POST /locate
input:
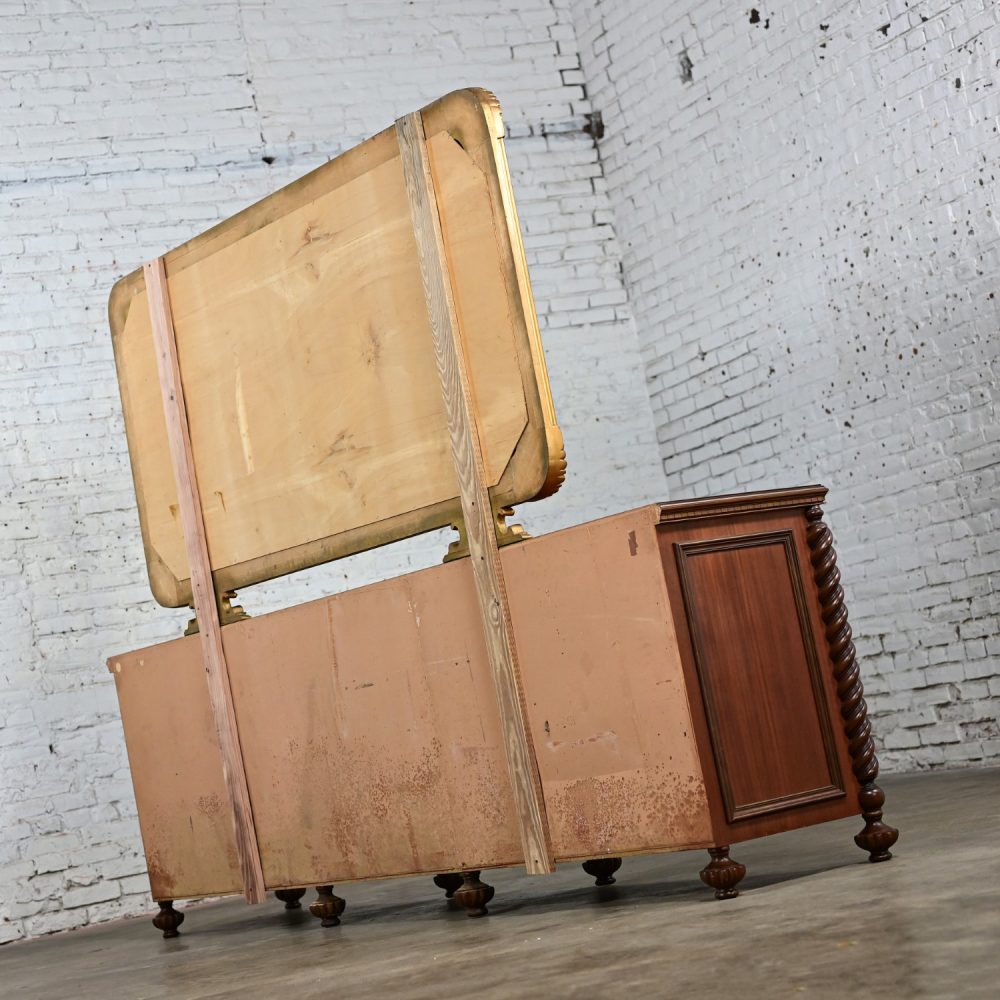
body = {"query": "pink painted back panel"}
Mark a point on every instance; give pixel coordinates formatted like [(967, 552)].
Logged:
[(606, 696), (369, 726), (180, 791), (372, 744)]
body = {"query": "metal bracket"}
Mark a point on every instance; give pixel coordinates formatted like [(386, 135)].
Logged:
[(506, 534), (228, 613)]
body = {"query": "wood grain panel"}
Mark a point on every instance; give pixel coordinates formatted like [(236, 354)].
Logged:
[(758, 673), (304, 348)]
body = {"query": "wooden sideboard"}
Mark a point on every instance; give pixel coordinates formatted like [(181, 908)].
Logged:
[(689, 678)]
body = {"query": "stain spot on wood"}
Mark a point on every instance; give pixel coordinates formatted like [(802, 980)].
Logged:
[(210, 805), (342, 444), (312, 234), (161, 882), (372, 349)]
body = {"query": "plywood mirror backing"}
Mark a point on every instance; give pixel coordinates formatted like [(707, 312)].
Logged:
[(315, 409)]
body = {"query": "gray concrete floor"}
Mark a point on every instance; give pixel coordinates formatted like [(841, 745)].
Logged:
[(815, 919)]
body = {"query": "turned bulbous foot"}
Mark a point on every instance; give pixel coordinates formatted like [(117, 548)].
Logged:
[(168, 919), (602, 869), (473, 894), (290, 897), (877, 837), (327, 906), (450, 882), (722, 873)]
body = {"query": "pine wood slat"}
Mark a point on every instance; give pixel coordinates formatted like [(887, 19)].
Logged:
[(476, 508), (205, 605)]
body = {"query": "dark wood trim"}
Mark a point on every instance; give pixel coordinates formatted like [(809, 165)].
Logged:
[(876, 837), (835, 789), (741, 503), (782, 802)]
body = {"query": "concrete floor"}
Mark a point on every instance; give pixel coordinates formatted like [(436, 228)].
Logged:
[(815, 919)]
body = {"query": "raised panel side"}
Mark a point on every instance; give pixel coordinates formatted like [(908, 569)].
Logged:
[(759, 673)]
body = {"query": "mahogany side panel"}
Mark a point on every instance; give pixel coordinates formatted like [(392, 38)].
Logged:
[(759, 673), (708, 525)]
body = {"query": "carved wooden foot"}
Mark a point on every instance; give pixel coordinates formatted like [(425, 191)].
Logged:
[(327, 907), (450, 882), (290, 897), (473, 895), (603, 869), (877, 837), (168, 919), (722, 873)]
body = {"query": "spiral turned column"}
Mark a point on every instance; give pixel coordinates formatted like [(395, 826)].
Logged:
[(877, 837)]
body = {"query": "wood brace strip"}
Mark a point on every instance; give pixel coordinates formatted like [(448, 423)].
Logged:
[(477, 510), (202, 586)]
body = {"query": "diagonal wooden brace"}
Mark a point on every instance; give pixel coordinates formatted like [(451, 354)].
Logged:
[(467, 452), (205, 604)]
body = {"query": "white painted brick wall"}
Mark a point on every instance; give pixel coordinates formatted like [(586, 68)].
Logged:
[(125, 128), (848, 151), (811, 250)]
